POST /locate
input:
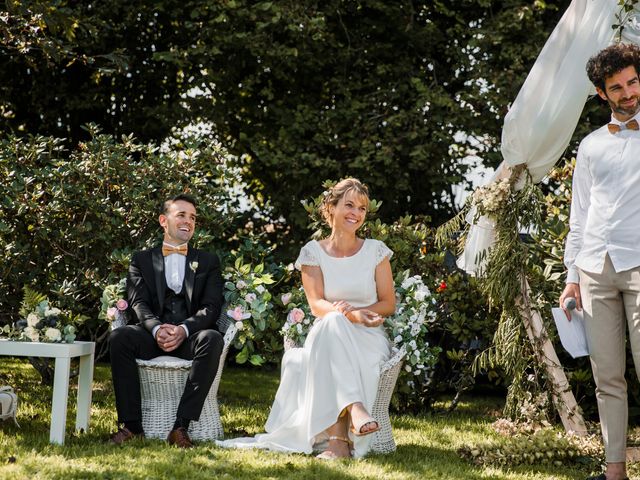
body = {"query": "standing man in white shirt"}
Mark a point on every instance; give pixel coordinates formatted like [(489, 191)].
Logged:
[(602, 251), (175, 292)]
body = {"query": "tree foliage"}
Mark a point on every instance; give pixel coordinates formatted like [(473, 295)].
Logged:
[(395, 93)]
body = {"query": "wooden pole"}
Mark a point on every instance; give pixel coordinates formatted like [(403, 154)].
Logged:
[(563, 398)]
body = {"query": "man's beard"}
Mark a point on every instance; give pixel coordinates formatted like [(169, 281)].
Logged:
[(618, 108)]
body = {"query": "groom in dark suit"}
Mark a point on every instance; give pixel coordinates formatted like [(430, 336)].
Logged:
[(175, 292)]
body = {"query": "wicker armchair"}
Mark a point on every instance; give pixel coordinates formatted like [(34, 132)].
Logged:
[(382, 439), (162, 382)]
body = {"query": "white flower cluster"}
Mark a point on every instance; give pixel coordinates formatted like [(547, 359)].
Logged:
[(490, 198), (43, 324), (416, 309)]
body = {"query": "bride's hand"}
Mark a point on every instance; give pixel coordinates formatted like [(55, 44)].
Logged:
[(343, 307), (366, 318)]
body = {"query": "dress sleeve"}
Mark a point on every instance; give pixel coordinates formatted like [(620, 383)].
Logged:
[(382, 251), (307, 256)]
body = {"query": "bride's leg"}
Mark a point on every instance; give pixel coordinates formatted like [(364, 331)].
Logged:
[(338, 446), (361, 420)]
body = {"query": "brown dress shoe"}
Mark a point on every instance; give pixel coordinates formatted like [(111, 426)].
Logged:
[(124, 435), (180, 438)]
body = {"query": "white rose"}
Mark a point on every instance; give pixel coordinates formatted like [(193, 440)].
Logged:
[(240, 284), (407, 368), (52, 311), (239, 325), (260, 289), (398, 339), (32, 320), (31, 333), (53, 334)]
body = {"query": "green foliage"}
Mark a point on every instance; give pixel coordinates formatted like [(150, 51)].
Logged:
[(542, 447), (70, 218), (300, 91), (250, 305)]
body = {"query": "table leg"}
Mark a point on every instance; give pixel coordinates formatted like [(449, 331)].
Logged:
[(60, 397), (85, 388)]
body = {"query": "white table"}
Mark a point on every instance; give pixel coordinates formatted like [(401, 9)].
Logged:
[(63, 353)]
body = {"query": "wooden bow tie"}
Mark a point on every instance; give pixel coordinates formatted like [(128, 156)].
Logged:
[(630, 125), (168, 250)]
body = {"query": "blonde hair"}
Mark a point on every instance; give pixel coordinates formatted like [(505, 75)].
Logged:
[(337, 192)]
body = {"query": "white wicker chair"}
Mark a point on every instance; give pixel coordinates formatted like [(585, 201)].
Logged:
[(382, 439), (162, 381)]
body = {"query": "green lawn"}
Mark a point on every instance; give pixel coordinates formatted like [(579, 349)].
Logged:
[(426, 444)]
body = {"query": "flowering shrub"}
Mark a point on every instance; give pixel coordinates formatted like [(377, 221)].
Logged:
[(408, 329), (113, 304), (40, 322), (299, 317), (250, 305)]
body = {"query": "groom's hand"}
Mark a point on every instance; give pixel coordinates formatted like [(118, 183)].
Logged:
[(170, 337)]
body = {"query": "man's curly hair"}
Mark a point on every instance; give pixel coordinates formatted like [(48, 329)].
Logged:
[(610, 61)]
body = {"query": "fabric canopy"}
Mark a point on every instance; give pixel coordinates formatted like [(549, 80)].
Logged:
[(539, 125)]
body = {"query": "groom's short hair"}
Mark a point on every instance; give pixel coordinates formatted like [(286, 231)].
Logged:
[(164, 209), (610, 61)]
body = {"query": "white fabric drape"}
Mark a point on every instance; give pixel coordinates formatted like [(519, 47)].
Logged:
[(544, 115)]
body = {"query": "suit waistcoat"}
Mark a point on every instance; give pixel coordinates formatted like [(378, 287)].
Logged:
[(174, 306)]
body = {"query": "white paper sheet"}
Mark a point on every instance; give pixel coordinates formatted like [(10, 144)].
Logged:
[(572, 334)]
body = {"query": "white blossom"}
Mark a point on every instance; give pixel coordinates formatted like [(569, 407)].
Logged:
[(53, 334)]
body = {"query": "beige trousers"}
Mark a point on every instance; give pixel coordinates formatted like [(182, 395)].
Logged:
[(608, 298)]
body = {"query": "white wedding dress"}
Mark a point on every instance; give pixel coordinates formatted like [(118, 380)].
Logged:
[(339, 364)]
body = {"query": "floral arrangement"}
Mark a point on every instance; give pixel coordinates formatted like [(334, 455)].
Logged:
[(299, 317), (250, 305), (490, 198), (40, 322), (113, 304), (415, 312)]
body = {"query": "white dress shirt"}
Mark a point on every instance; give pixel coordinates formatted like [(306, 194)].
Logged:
[(605, 207), (174, 267)]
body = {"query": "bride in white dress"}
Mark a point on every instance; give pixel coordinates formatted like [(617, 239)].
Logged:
[(328, 387)]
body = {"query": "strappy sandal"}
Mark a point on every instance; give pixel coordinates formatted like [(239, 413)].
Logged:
[(329, 455), (357, 429)]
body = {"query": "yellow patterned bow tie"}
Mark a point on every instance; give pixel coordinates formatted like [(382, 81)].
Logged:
[(630, 125), (168, 250)]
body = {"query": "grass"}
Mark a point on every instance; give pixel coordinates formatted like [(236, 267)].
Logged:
[(427, 444)]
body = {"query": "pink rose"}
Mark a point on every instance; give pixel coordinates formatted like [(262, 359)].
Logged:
[(111, 313), (250, 297), (122, 305), (286, 298), (295, 316), (238, 314)]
